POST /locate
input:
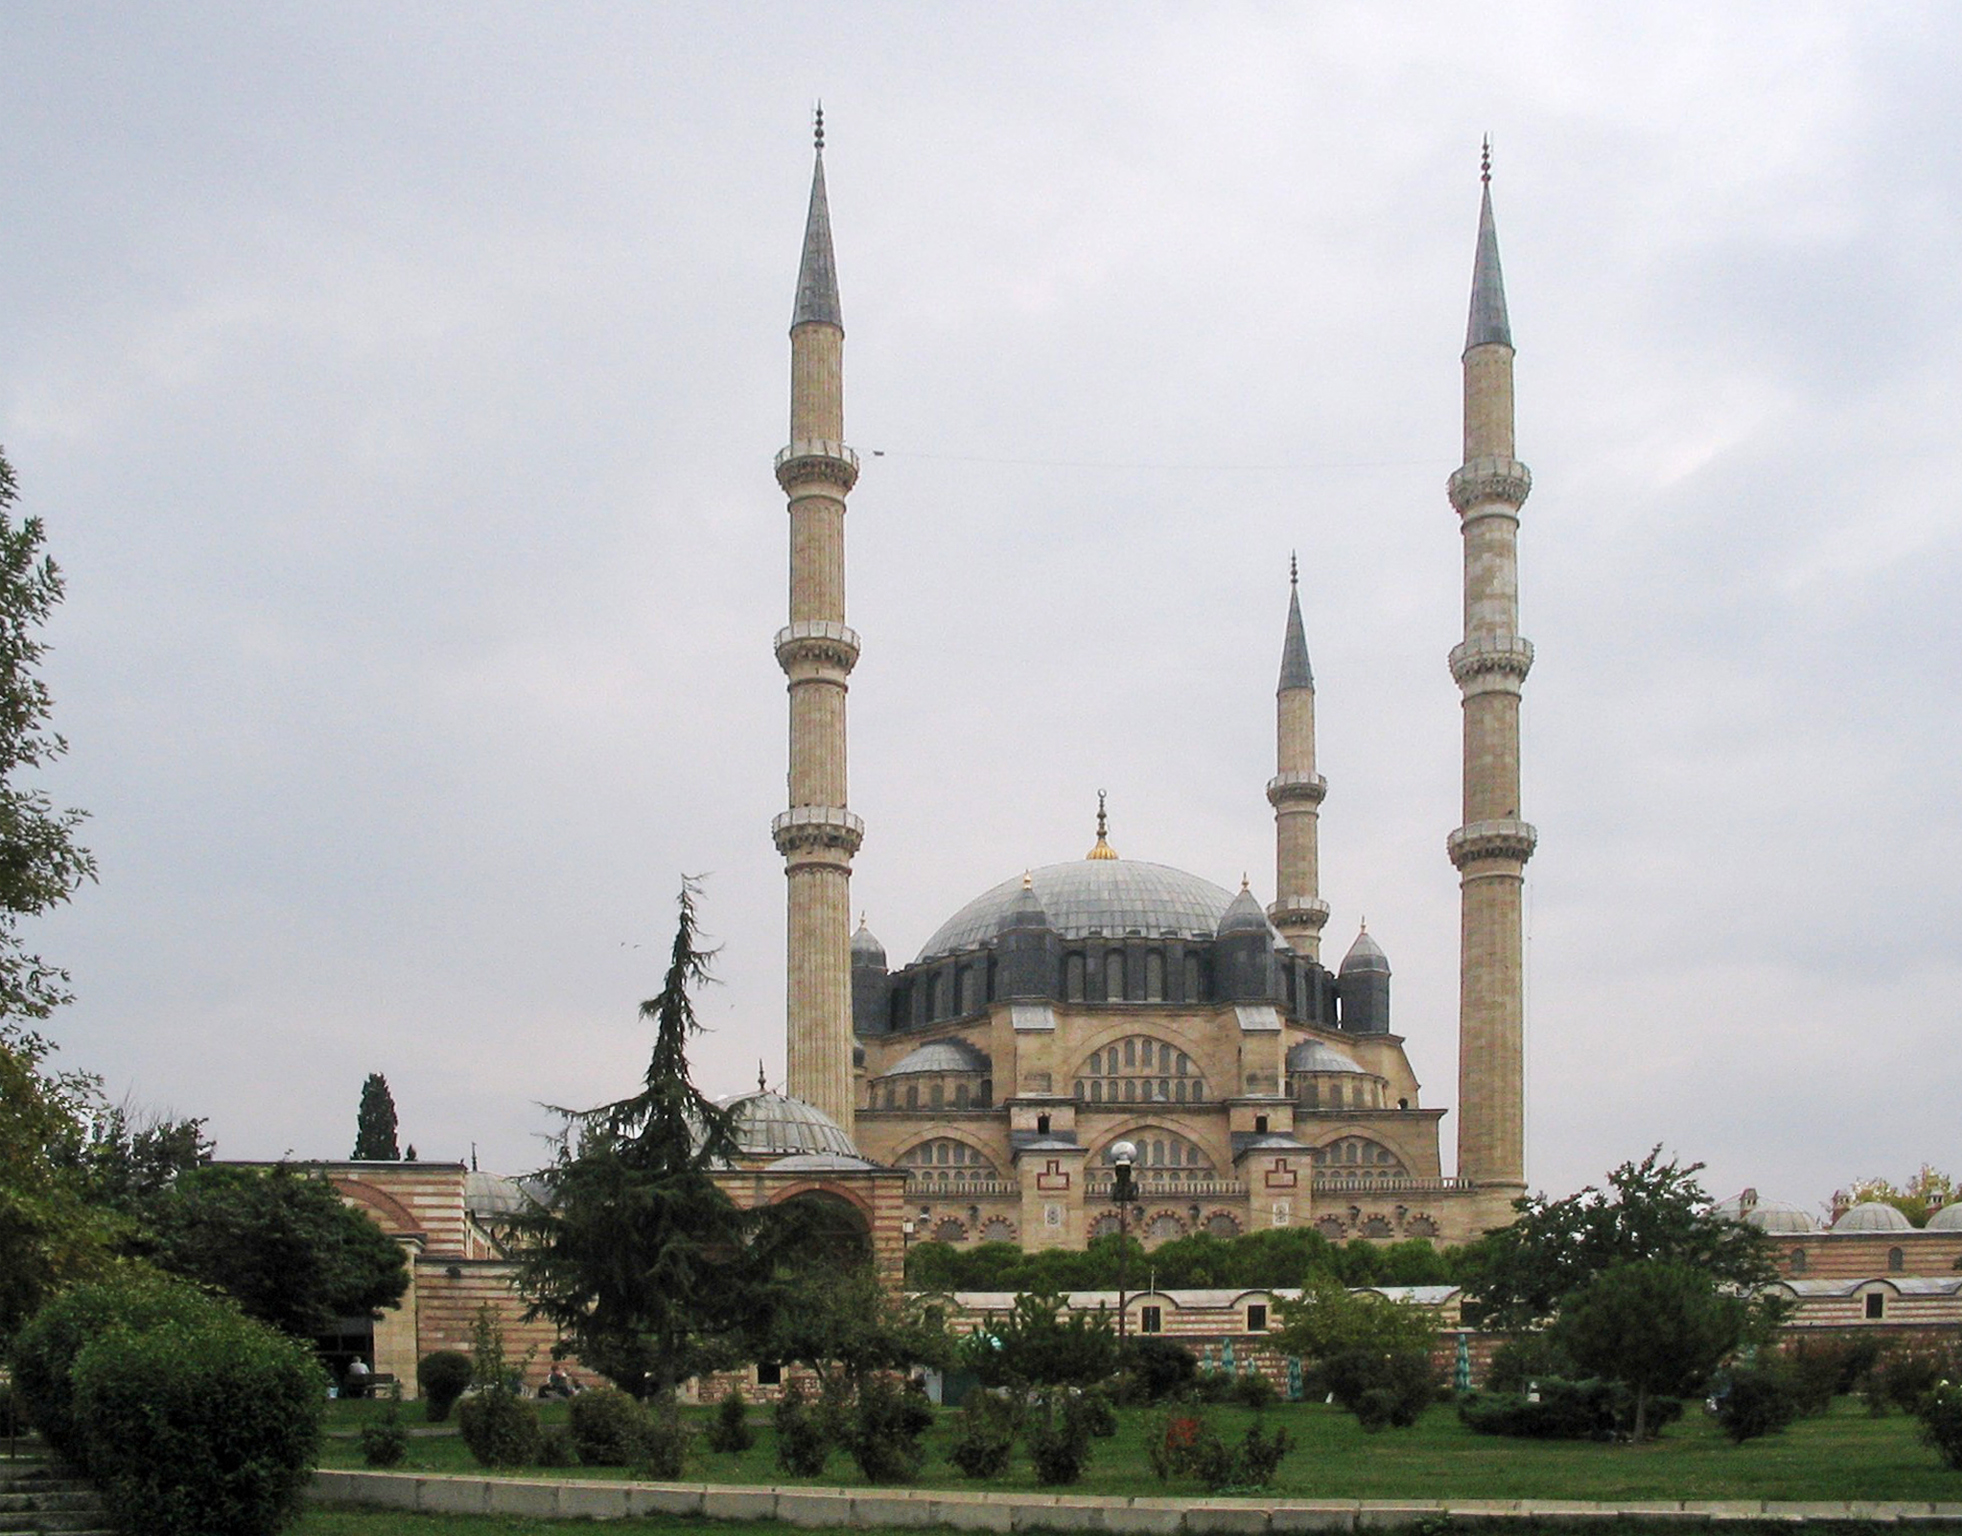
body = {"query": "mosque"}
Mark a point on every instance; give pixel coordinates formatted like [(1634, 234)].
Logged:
[(1076, 1006)]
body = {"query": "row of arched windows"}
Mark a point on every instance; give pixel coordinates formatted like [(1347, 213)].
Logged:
[(935, 1094), (948, 1158), (1140, 1070), (1360, 1155)]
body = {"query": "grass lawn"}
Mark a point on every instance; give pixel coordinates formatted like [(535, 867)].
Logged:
[(1843, 1456)]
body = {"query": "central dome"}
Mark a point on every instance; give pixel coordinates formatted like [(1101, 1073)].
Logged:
[(1110, 896)]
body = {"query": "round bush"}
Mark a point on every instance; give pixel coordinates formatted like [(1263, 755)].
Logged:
[(443, 1377), (1759, 1402), (665, 1441), (607, 1427), (385, 1442), (46, 1349), (729, 1430), (501, 1430), (203, 1429)]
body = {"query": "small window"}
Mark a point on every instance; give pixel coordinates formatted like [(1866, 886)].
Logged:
[(1042, 1125), (1876, 1306), (1256, 1317), (1896, 1261), (1260, 1125), (1152, 1319), (1798, 1261), (769, 1374)]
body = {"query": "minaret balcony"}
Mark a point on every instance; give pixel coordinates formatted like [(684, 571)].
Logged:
[(807, 829), (1296, 789), (817, 643), (1504, 840), (1298, 912), (1485, 662), (1483, 481), (817, 458)]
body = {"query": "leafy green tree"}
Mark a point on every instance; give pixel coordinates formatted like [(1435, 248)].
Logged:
[(127, 1159), (1657, 1326), (374, 1131), (1517, 1276), (1044, 1342), (285, 1246), (638, 1258), (844, 1320), (1374, 1354)]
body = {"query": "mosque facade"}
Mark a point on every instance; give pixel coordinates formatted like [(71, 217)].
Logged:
[(1079, 1005)]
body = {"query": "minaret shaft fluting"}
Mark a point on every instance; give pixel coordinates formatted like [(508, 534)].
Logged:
[(1491, 848), (1296, 792), (817, 835)]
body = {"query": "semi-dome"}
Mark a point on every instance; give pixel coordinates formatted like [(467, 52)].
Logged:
[(943, 1056), (1243, 915), (775, 1125), (1313, 1056), (1947, 1219), (1873, 1216), (1110, 896), (866, 949)]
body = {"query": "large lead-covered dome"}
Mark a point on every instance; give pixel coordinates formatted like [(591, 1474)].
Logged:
[(1106, 895)]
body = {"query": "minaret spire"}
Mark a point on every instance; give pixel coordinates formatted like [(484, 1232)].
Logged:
[(1490, 665), (1296, 791), (818, 835)]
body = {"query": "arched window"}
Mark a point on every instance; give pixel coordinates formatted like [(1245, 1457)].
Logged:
[(1191, 979), (1113, 975), (1896, 1260), (1798, 1261), (945, 1161), (937, 1095), (1358, 1157), (1155, 976), (1162, 1151), (1073, 978)]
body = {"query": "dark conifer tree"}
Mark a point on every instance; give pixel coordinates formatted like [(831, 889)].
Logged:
[(374, 1131)]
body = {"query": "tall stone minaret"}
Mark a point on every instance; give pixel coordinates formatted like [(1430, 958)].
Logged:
[(817, 836), (1491, 849), (1296, 792)]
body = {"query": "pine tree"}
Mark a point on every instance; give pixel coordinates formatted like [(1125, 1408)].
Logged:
[(639, 1259), (374, 1135)]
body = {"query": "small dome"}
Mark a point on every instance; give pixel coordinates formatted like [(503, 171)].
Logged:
[(1313, 1056), (776, 1125), (867, 950), (943, 1056), (1242, 915), (1027, 911), (1365, 955), (1774, 1216), (821, 1162), (1113, 897), (491, 1194), (1873, 1216), (1947, 1219)]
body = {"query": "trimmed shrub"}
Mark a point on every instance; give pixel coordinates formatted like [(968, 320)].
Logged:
[(1187, 1445), (1382, 1391), (1566, 1410), (1212, 1387), (1255, 1391), (202, 1429), (555, 1447), (500, 1430), (1258, 1456), (886, 1426), (1758, 1402), (1822, 1369), (729, 1430), (48, 1345), (442, 1376), (1524, 1360), (1057, 1432), (1903, 1377), (384, 1442), (984, 1434), (1161, 1367), (1940, 1413), (1174, 1449), (1099, 1413), (803, 1447), (665, 1441), (607, 1427)]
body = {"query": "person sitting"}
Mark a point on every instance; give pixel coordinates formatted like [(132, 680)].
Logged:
[(358, 1375), (557, 1384)]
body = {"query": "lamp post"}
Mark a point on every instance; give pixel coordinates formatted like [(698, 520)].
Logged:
[(1124, 1195)]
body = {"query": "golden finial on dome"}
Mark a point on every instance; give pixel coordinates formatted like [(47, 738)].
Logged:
[(1103, 850), (1028, 879)]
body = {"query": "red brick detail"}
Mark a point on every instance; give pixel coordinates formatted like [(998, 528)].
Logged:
[(1053, 1177)]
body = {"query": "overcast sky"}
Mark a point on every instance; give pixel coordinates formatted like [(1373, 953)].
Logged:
[(399, 385)]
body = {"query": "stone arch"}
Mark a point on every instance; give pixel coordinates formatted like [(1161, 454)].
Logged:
[(390, 1214), (1223, 1224), (1198, 1136), (983, 1153), (948, 1229), (1162, 1226)]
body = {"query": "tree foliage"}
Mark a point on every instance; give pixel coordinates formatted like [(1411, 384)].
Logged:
[(842, 1319), (41, 865), (1373, 1354), (1657, 1326), (1275, 1257), (1917, 1199), (284, 1245), (640, 1259), (1517, 1276), (1043, 1342), (374, 1127)]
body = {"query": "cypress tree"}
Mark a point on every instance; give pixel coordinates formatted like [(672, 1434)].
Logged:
[(374, 1134)]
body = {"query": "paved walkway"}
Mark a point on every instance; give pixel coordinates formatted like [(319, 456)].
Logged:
[(864, 1509)]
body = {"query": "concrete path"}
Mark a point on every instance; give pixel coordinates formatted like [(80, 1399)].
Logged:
[(863, 1509)]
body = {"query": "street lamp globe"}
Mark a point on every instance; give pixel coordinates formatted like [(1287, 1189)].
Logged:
[(1123, 1153)]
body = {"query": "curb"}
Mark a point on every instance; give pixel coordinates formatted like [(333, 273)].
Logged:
[(862, 1508)]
